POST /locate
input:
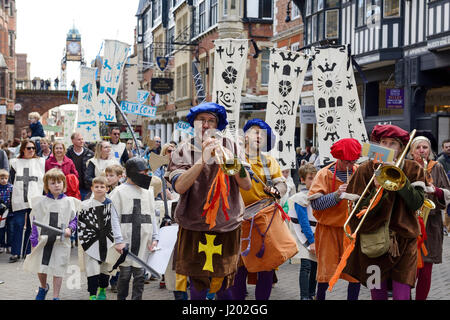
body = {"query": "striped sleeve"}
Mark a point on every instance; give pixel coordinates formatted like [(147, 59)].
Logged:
[(324, 202)]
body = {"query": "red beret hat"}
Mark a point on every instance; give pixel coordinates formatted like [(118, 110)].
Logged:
[(346, 149), (389, 131)]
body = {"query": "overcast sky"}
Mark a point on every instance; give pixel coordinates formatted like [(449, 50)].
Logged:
[(42, 27)]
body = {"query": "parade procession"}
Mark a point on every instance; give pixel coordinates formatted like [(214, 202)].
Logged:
[(226, 150)]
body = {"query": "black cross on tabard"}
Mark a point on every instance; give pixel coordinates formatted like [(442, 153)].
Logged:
[(48, 248), (136, 219), (298, 71), (26, 180)]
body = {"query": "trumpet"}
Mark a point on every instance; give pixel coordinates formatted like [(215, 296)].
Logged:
[(390, 177), (428, 205), (230, 166)]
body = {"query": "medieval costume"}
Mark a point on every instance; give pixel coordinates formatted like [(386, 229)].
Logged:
[(119, 153), (331, 211), (95, 167), (26, 177), (207, 249), (134, 224), (433, 237), (394, 215), (51, 254), (303, 226), (263, 243), (96, 242)]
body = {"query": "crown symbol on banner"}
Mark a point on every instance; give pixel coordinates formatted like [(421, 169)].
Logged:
[(327, 67)]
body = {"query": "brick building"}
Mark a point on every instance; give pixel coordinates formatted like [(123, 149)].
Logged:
[(184, 31), (7, 66)]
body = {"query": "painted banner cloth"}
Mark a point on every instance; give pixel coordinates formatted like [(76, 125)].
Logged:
[(287, 71), (88, 119), (114, 58), (230, 66), (336, 100)]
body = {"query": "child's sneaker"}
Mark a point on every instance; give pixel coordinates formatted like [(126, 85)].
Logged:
[(42, 293), (93, 297), (101, 294)]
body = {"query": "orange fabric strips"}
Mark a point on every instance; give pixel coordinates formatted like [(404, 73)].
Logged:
[(219, 191)]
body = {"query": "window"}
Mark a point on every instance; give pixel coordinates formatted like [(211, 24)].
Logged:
[(170, 39), (203, 67), (225, 7), (332, 21), (314, 28), (11, 85), (309, 30), (295, 11), (265, 9), (265, 65), (320, 27), (11, 43), (319, 5), (179, 85), (332, 3), (308, 7), (2, 84), (391, 8), (185, 80), (361, 13), (202, 17), (213, 13)]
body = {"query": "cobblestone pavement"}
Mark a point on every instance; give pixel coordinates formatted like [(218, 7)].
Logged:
[(21, 285)]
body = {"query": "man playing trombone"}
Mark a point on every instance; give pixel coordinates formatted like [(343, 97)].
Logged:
[(210, 209), (385, 248)]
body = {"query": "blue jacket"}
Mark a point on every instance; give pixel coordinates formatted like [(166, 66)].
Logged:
[(37, 130)]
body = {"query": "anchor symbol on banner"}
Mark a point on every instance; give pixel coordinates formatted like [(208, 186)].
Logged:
[(231, 52)]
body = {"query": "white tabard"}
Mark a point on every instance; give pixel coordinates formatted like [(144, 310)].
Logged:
[(101, 165), (28, 182), (47, 258), (117, 151), (136, 209)]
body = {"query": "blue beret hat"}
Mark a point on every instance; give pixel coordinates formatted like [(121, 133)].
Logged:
[(263, 125), (209, 107)]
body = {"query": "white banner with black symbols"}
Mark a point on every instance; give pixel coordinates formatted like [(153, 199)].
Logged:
[(230, 66), (337, 105), (286, 75)]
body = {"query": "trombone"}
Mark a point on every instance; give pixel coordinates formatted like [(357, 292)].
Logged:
[(390, 177)]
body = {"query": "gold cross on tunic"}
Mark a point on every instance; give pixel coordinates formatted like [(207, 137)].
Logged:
[(209, 249)]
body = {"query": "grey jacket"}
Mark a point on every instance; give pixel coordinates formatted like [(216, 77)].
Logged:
[(4, 163)]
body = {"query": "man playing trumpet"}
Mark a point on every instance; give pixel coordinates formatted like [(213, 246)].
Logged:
[(210, 208), (386, 245)]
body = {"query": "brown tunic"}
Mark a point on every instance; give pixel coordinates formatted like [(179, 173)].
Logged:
[(191, 257), (402, 204), (434, 227), (188, 213)]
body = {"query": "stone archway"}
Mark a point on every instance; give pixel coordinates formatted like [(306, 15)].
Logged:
[(38, 101)]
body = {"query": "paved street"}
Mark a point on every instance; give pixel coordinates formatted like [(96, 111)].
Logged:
[(20, 285)]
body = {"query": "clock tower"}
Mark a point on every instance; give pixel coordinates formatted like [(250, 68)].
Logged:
[(72, 52)]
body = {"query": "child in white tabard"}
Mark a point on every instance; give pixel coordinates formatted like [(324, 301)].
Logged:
[(51, 254)]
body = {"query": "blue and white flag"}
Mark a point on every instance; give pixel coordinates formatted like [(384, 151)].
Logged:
[(184, 127), (114, 59), (88, 118)]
